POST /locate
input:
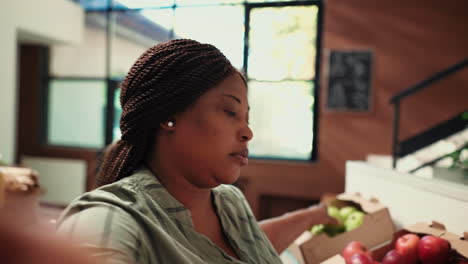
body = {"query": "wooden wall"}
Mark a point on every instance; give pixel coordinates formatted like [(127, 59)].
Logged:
[(411, 40)]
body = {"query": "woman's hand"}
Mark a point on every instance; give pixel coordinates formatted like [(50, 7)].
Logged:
[(318, 214), (283, 230), (19, 179)]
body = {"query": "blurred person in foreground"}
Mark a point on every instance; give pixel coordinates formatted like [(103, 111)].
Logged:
[(25, 238), (19, 245), (165, 193)]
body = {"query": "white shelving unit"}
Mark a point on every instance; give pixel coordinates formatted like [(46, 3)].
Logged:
[(410, 198)]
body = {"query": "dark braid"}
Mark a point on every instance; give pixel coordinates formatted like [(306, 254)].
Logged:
[(165, 80)]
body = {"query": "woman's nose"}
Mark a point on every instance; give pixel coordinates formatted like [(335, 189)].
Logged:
[(246, 134)]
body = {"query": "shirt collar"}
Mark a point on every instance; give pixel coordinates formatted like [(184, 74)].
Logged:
[(153, 187), (174, 209)]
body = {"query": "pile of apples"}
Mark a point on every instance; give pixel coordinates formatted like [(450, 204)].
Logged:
[(348, 218), (409, 249)]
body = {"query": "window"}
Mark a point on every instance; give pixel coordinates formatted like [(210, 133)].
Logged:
[(275, 43), (281, 74), (73, 102)]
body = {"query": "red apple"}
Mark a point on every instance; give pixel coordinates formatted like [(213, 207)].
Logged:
[(407, 245), (433, 250), (360, 258), (394, 257), (352, 248)]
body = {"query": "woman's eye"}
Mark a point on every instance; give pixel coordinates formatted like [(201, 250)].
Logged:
[(230, 113)]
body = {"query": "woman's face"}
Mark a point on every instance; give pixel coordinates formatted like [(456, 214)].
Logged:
[(210, 138)]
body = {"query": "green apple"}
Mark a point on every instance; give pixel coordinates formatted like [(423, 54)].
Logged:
[(347, 211), (329, 229), (333, 230), (354, 220), (334, 212), (317, 229)]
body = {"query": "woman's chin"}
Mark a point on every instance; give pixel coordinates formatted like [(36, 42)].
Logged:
[(229, 177)]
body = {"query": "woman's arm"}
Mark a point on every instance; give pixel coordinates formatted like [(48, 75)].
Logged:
[(105, 233), (283, 230)]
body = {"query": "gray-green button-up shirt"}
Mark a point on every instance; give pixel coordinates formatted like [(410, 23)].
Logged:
[(136, 220)]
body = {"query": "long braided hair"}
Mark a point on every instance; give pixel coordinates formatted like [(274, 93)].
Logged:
[(165, 80)]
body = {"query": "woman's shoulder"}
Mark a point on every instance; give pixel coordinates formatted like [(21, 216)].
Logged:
[(123, 196), (124, 190), (229, 190), (231, 196)]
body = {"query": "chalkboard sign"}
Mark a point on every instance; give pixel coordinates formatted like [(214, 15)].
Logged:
[(349, 80)]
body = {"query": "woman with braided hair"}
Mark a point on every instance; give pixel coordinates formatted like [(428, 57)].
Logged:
[(165, 193)]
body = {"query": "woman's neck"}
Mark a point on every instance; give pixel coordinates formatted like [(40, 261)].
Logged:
[(194, 198)]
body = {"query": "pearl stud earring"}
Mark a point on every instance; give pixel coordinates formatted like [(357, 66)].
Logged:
[(170, 124)]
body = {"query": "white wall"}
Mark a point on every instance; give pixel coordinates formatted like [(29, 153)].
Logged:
[(89, 57), (64, 183), (44, 21), (7, 91)]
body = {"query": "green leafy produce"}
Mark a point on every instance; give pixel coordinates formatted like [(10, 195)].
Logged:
[(354, 220), (318, 229), (348, 217), (329, 229), (347, 211), (334, 212)]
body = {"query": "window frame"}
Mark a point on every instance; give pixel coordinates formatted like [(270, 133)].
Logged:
[(316, 79)]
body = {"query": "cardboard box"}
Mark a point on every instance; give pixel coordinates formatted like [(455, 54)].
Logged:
[(377, 228), (457, 243)]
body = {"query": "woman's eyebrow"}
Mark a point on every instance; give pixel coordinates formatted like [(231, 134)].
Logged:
[(234, 98)]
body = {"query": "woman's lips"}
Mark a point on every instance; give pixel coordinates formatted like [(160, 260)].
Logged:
[(242, 159), (241, 156)]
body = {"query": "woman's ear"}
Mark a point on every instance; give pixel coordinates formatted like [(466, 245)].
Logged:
[(168, 125)]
